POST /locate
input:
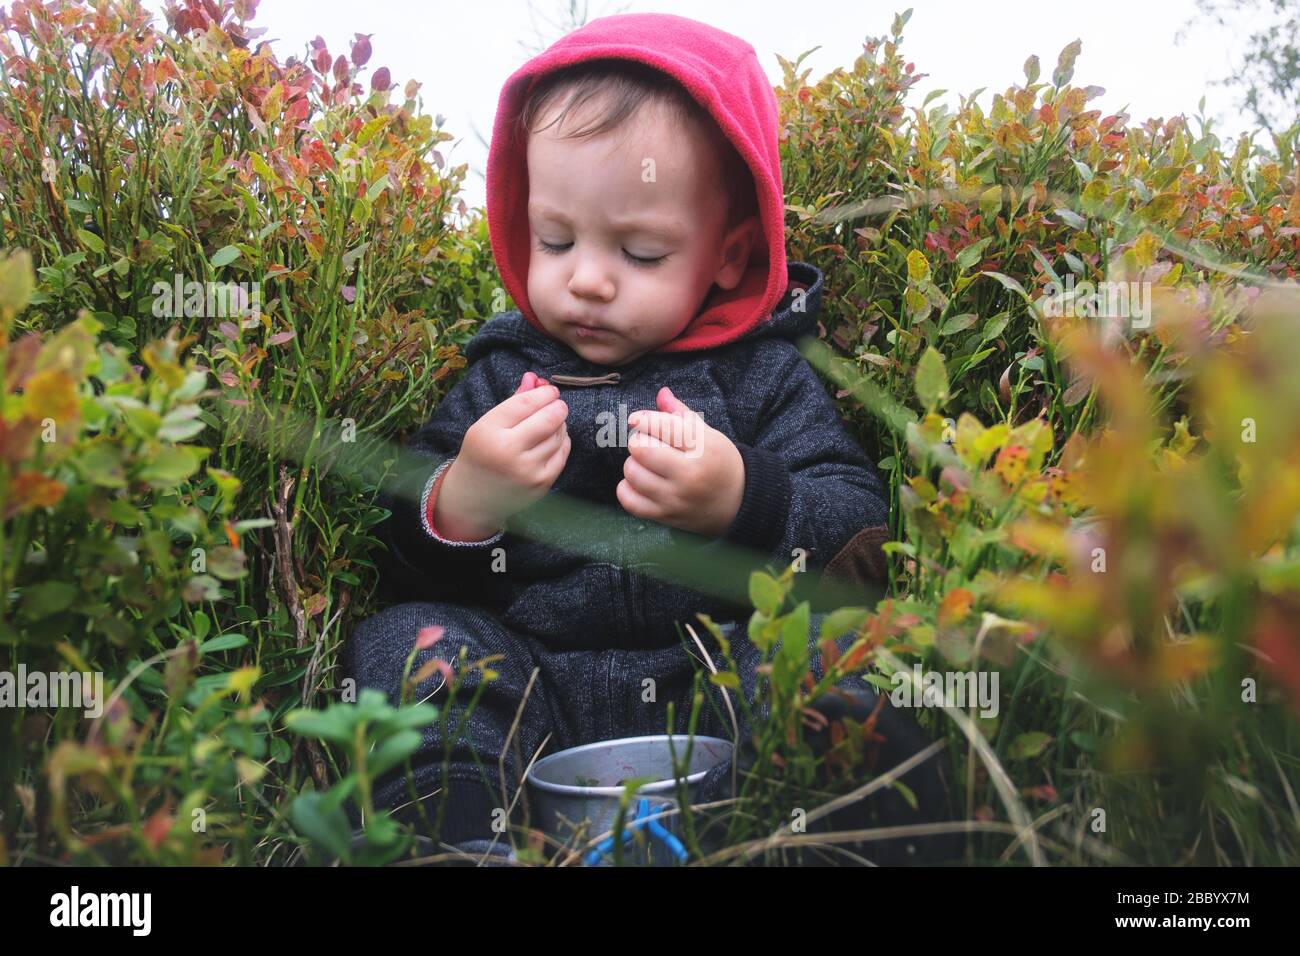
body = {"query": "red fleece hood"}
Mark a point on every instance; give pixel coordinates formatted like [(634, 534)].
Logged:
[(723, 75)]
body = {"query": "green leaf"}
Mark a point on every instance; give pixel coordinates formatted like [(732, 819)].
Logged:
[(323, 823), (46, 598), (251, 524), (334, 725), (1031, 69), (101, 464), (958, 323), (225, 642), (1008, 283), (995, 326), (90, 240), (170, 466), (1071, 218), (368, 131), (180, 423), (991, 202), (226, 563), (1028, 745), (726, 679), (794, 639), (765, 593), (1085, 741), (262, 169), (224, 256), (931, 379), (972, 253), (393, 751), (842, 621)]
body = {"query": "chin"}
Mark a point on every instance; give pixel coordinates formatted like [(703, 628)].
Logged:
[(599, 354)]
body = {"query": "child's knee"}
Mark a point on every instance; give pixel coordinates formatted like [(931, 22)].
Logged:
[(380, 646)]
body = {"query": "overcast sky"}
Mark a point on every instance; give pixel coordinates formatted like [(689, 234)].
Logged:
[(463, 51)]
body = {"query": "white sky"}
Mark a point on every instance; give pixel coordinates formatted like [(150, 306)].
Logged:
[(463, 51)]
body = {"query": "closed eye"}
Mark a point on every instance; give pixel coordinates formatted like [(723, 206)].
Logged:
[(559, 249)]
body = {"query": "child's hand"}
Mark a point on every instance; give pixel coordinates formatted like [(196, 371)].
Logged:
[(508, 459), (679, 471)]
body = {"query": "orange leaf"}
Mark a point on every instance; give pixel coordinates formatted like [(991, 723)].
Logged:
[(954, 607), (31, 489), (1011, 464)]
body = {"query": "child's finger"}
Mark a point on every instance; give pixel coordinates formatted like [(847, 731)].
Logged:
[(520, 405), (548, 444), (670, 428), (560, 455), (634, 502), (542, 423), (646, 482), (528, 381), (661, 458)]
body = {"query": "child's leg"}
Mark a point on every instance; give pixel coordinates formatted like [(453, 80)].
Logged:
[(617, 692), (475, 801)]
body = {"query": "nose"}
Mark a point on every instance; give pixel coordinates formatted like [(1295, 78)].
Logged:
[(590, 280)]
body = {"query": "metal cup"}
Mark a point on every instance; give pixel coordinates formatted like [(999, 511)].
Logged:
[(585, 783)]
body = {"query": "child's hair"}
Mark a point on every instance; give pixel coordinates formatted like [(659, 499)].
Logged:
[(627, 85)]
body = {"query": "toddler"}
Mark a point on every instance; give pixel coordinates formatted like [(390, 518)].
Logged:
[(636, 213)]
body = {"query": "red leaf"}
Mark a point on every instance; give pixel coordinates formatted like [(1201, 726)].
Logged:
[(281, 337), (429, 636), (361, 50), (382, 81)]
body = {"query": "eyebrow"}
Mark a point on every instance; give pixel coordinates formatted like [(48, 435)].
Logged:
[(659, 228)]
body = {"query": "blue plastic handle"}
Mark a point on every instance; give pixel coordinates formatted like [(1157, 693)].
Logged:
[(641, 819)]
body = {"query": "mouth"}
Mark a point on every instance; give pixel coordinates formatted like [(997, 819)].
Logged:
[(590, 331)]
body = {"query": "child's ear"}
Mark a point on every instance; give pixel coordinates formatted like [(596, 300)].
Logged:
[(736, 246)]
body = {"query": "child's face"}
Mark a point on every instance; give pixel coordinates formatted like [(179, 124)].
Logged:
[(648, 190)]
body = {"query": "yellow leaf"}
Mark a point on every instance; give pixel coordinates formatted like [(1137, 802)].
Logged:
[(1145, 248), (975, 442), (917, 268), (242, 680), (51, 393), (1036, 438), (250, 771), (1186, 659)]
